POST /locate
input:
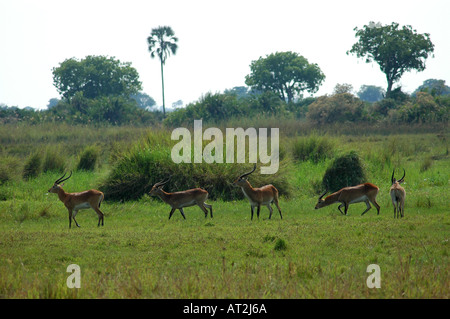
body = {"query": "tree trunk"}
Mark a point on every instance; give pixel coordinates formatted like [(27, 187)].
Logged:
[(162, 81), (389, 88)]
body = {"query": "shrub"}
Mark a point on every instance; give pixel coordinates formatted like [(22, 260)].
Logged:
[(336, 108), (280, 245), (53, 160), (346, 170), (149, 162), (88, 159), (9, 169), (33, 166), (314, 148)]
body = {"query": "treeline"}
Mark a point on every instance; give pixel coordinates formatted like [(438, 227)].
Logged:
[(336, 108), (342, 107), (107, 110)]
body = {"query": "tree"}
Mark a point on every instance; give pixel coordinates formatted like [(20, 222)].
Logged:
[(162, 42), (370, 93), (395, 50), (286, 73), (96, 76), (434, 87)]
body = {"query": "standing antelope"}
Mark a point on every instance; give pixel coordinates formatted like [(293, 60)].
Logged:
[(76, 201), (265, 195), (366, 192), (178, 200), (398, 195)]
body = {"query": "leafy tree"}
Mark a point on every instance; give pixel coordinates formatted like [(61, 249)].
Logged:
[(143, 100), (96, 76), (162, 42), (370, 93), (286, 73), (396, 50), (434, 87)]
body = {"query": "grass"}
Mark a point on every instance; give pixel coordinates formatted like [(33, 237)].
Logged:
[(309, 253)]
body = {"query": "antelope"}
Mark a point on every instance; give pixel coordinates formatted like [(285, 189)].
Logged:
[(178, 200), (366, 193), (265, 195), (76, 201), (398, 195)]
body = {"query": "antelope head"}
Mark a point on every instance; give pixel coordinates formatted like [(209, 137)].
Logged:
[(57, 185), (157, 188), (321, 201), (242, 179), (401, 180)]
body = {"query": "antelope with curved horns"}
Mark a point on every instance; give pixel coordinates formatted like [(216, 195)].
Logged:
[(265, 195), (398, 195), (76, 201), (178, 200), (366, 193)]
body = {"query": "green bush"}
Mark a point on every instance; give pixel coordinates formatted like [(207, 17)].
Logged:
[(149, 162), (53, 160), (346, 170), (33, 166), (88, 159), (314, 148)]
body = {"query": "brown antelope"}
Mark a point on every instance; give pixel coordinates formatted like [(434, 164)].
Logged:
[(366, 193), (398, 195), (265, 195), (178, 200), (76, 201)]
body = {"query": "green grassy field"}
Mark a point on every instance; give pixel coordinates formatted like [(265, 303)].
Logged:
[(139, 253)]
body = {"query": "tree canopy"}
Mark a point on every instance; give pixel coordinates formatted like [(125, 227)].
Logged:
[(396, 50), (96, 76), (286, 73)]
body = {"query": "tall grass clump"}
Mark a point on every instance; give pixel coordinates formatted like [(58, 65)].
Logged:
[(149, 161), (33, 166), (346, 170), (9, 168), (89, 158), (54, 160), (314, 148)]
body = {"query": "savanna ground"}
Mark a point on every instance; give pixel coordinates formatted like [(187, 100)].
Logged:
[(309, 253)]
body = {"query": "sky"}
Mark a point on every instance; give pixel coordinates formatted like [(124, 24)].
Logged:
[(218, 40)]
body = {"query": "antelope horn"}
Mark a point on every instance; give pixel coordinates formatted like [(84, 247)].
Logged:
[(246, 174), (323, 194), (392, 178), (162, 182), (401, 179), (62, 179)]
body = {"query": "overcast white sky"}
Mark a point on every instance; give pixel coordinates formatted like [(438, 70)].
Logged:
[(217, 41)]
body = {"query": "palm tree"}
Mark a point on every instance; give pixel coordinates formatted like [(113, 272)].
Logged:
[(162, 42)]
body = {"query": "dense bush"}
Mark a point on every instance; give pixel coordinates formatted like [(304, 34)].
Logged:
[(346, 170), (343, 107), (54, 160), (33, 166), (149, 162), (314, 148), (88, 159)]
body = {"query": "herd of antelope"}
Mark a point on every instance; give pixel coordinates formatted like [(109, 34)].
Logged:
[(265, 195)]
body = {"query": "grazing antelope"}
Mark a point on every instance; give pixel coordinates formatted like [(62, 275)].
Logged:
[(178, 200), (366, 193), (398, 195), (265, 195), (76, 201)]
